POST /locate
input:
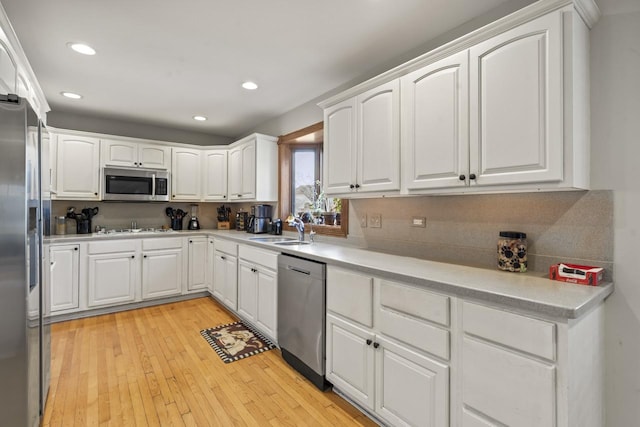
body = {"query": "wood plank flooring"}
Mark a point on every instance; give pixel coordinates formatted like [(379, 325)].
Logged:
[(151, 367)]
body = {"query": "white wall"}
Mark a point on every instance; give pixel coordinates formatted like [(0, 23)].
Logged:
[(615, 138)]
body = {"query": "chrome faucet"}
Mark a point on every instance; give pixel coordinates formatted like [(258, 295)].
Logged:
[(297, 222)]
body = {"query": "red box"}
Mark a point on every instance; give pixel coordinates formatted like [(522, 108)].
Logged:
[(580, 274)]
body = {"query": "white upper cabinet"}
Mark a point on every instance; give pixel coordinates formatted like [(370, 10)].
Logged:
[(378, 138), (339, 148), (504, 108), (133, 154), (214, 175), (516, 133), (362, 142), (77, 168), (185, 177), (435, 121), (253, 169)]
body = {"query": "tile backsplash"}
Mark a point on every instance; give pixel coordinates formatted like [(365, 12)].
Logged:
[(574, 226)]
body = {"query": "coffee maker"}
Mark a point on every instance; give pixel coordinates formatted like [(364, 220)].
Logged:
[(259, 219)]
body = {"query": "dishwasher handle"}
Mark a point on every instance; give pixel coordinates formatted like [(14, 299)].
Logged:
[(297, 270)]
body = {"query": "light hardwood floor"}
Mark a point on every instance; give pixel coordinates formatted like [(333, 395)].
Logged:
[(151, 367)]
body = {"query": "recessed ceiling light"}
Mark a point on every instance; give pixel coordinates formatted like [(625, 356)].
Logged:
[(82, 48), (199, 118), (250, 85), (71, 95)]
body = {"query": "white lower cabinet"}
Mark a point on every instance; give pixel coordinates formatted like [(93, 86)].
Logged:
[(398, 367), (197, 272), (161, 267), (411, 388), (64, 277), (112, 278), (258, 288), (225, 273), (350, 360)]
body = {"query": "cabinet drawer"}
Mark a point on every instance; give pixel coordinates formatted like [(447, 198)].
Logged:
[(350, 294), (112, 247), (530, 335), (412, 331), (415, 302), (162, 243), (265, 258), (506, 386), (226, 246)]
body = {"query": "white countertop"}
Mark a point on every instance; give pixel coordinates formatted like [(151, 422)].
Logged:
[(529, 292)]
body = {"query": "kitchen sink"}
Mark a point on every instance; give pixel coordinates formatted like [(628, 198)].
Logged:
[(271, 239), (292, 242)]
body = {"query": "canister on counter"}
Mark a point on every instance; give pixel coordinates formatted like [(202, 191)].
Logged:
[(512, 251), (61, 225)]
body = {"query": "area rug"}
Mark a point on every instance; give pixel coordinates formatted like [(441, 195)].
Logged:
[(236, 341)]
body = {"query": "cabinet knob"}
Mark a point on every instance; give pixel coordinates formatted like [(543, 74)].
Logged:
[(352, 186), (376, 344), (95, 194), (357, 185), (462, 177), (173, 196), (133, 256), (239, 195), (190, 241), (369, 342), (472, 176), (222, 257), (75, 249), (144, 256), (224, 196)]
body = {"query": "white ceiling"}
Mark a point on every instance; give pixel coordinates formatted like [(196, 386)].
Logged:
[(162, 62)]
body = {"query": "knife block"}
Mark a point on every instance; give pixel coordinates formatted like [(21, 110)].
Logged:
[(224, 225)]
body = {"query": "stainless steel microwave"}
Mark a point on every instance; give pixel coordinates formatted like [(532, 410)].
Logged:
[(135, 185)]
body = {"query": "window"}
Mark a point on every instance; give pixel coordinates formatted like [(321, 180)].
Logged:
[(300, 157)]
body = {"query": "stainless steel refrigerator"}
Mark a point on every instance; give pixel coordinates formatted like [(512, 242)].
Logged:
[(24, 333)]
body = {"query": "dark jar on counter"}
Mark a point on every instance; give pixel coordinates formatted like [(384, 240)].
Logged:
[(512, 251)]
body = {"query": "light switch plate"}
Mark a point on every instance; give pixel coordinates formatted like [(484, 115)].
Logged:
[(363, 220), (375, 221)]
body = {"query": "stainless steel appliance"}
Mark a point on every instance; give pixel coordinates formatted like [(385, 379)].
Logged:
[(260, 219), (135, 185), (24, 335), (301, 316)]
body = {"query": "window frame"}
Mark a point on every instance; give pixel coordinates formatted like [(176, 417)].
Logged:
[(311, 136)]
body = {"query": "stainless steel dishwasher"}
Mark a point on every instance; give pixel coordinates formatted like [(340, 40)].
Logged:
[(301, 316)]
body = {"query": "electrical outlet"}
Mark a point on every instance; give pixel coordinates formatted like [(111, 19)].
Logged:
[(419, 221), (375, 221)]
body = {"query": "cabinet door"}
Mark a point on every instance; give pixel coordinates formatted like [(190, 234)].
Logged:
[(339, 148), (516, 105), (411, 389), (268, 302), (161, 273), (219, 275), (249, 170), (197, 263), (64, 277), (215, 175), (235, 174), (185, 174), (247, 291), (435, 123), (119, 153), (231, 282), (378, 138), (210, 264), (154, 156), (112, 279), (350, 358), (78, 167), (507, 386)]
